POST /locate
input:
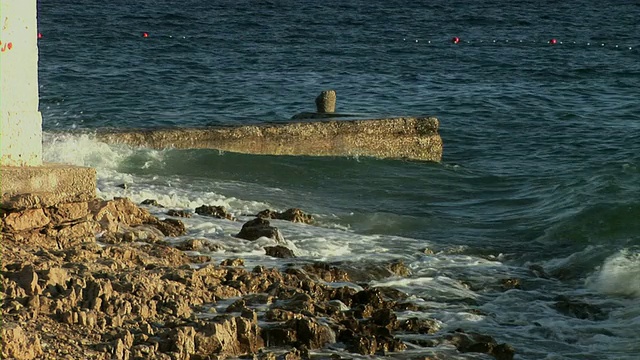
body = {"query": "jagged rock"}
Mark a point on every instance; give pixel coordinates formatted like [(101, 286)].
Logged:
[(473, 342), (170, 227), (216, 211), (420, 326), (232, 262), (257, 228), (109, 214), (25, 220), (68, 212), (151, 202), (327, 272), (279, 251), (15, 344), (231, 336), (294, 215), (199, 245), (179, 213), (299, 331), (27, 279)]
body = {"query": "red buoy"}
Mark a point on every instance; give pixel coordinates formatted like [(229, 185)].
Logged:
[(39, 35), (455, 40), (553, 41), (144, 34)]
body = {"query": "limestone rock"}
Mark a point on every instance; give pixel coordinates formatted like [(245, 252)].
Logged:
[(25, 220), (109, 214), (15, 344), (68, 212)]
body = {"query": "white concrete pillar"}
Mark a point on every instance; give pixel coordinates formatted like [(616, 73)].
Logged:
[(20, 120)]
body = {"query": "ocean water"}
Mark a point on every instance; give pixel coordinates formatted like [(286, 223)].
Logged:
[(541, 165)]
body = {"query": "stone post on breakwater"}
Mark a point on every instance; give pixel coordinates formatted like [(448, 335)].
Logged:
[(25, 181)]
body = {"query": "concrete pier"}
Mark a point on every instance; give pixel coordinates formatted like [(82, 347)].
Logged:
[(24, 180), (400, 138)]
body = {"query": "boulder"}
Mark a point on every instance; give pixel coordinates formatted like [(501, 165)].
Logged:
[(257, 228), (179, 213), (215, 211), (294, 215), (279, 251)]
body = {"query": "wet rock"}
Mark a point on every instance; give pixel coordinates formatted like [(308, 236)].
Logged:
[(511, 283), (257, 228), (578, 309), (474, 342), (232, 262), (327, 272), (199, 245), (279, 251), (151, 202), (539, 271), (215, 211), (294, 215), (15, 344), (170, 227), (179, 213), (420, 326)]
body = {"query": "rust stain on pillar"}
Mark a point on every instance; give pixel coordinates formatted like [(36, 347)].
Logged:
[(415, 138)]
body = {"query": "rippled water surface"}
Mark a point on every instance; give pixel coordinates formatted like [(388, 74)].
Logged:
[(542, 142)]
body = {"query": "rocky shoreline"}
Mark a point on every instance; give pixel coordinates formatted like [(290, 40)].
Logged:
[(98, 280)]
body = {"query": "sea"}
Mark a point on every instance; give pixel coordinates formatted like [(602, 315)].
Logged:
[(539, 109)]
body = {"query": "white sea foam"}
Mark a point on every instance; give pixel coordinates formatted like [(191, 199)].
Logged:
[(619, 275)]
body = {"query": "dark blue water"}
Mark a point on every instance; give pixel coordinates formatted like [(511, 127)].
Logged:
[(542, 142)]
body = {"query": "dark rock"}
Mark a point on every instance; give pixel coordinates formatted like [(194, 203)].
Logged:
[(512, 283), (179, 213), (170, 227), (151, 202), (232, 262), (215, 211), (257, 228), (198, 245), (385, 318), (420, 326), (474, 342), (578, 309), (294, 215), (279, 251)]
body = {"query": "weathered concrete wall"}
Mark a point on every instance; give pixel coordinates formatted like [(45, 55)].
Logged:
[(405, 137), (26, 187), (20, 120)]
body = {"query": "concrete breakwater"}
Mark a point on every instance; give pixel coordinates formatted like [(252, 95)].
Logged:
[(414, 138)]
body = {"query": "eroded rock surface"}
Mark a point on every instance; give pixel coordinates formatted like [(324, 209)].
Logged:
[(133, 296)]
